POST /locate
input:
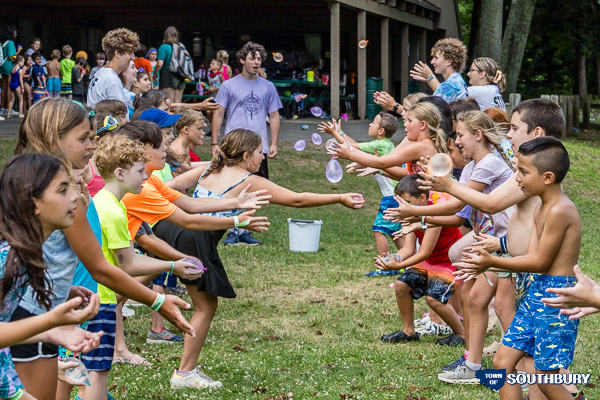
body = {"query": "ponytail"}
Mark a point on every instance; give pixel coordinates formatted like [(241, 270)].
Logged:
[(429, 113), (237, 143)]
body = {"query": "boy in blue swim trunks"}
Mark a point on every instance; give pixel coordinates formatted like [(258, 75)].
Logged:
[(554, 244)]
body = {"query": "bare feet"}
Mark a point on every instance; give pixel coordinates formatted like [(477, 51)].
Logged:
[(129, 358)]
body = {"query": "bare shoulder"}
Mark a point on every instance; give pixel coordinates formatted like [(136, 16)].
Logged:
[(564, 208)]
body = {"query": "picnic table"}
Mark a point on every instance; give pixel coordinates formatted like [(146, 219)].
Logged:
[(318, 94)]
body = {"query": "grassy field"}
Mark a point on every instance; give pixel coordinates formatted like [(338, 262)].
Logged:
[(307, 325)]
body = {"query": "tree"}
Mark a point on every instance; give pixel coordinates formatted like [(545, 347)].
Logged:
[(515, 40), (490, 29)]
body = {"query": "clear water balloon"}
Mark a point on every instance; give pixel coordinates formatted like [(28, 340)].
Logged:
[(316, 138), (79, 373), (332, 144), (334, 171), (300, 145), (316, 111), (277, 57), (362, 44), (440, 164)]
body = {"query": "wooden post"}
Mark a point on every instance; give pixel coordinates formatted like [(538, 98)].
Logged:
[(514, 99), (423, 55), (545, 97), (554, 98), (562, 102), (404, 63), (361, 73), (586, 112), (385, 54), (576, 111), (335, 59), (569, 115)]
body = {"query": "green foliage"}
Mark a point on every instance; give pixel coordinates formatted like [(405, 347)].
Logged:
[(465, 9)]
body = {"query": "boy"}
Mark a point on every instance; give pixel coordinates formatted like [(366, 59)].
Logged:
[(552, 252), (100, 60), (166, 122), (39, 78), (66, 66), (119, 45), (77, 75), (430, 272), (54, 74), (215, 77), (121, 163), (382, 129)]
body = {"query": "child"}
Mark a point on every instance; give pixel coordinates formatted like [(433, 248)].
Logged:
[(151, 56), (128, 78), (143, 65), (17, 86), (381, 130), (430, 272), (77, 75), (166, 122), (215, 76), (41, 201), (142, 84), (54, 74), (190, 134), (121, 163), (100, 60), (27, 82), (66, 66), (39, 78), (553, 250)]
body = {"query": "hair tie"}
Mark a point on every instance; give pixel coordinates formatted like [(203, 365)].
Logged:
[(498, 76), (221, 157)]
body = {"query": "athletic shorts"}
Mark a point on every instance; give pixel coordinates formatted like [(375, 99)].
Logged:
[(54, 84), (66, 89), (542, 331), (100, 359), (164, 281), (426, 279), (382, 225), (31, 351)]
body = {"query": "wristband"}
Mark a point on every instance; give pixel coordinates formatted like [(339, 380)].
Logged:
[(245, 223), (503, 248), (172, 264), (158, 302), (395, 109), (380, 172), (423, 223), (236, 221), (430, 77)]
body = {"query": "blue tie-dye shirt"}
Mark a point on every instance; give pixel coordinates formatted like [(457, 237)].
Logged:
[(452, 89)]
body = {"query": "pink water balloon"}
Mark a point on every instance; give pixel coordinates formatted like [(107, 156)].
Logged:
[(316, 111), (300, 145), (334, 171), (197, 263), (316, 138)]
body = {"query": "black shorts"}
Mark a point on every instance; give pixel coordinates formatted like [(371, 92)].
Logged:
[(31, 351)]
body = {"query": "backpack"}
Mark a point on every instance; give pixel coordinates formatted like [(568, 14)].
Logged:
[(181, 62), (2, 58)]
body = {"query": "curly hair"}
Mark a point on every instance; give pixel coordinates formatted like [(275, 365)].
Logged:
[(120, 40), (251, 48), (188, 117), (117, 151), (452, 50)]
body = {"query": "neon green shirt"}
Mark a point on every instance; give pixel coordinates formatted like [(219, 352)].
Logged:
[(384, 146), (66, 66)]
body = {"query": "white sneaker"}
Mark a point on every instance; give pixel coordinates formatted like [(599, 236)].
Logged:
[(196, 379), (433, 328), (13, 112), (128, 312), (421, 322), (2, 118), (460, 375), (21, 116)]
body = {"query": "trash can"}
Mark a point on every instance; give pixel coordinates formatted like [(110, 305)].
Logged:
[(374, 84)]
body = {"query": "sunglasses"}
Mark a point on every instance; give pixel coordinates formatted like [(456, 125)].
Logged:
[(110, 123)]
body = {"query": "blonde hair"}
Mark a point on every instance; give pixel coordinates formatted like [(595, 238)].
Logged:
[(67, 50), (223, 55), (117, 151), (413, 98), (188, 117), (237, 143), (171, 35), (429, 113), (493, 75), (120, 40), (479, 121)]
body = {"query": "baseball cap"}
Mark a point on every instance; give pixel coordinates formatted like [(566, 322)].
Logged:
[(159, 117)]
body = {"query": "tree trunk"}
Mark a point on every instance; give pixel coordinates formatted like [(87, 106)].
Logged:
[(598, 76), (581, 75), (490, 29), (515, 39), (474, 38)]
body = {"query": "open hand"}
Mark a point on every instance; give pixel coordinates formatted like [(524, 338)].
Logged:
[(400, 213), (367, 171), (257, 224), (342, 151), (253, 200), (407, 229), (475, 261), (330, 127), (208, 105), (75, 338), (385, 100), (436, 183), (420, 72), (171, 311), (585, 294), (68, 314), (489, 243)]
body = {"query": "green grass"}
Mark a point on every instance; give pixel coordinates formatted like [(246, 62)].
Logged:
[(309, 323)]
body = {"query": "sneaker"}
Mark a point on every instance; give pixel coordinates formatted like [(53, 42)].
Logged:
[(452, 341), (232, 239), (380, 272), (451, 366), (127, 312), (2, 118), (163, 336), (247, 239), (195, 379), (21, 116), (422, 321), (399, 336), (13, 112), (578, 396), (491, 349), (133, 303), (460, 375), (433, 328)]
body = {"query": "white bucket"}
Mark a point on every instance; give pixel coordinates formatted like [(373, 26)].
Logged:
[(304, 235)]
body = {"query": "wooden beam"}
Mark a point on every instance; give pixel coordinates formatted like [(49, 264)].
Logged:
[(423, 54), (335, 59), (404, 62), (361, 70), (383, 10), (385, 54)]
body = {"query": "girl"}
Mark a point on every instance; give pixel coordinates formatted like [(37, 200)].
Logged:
[(487, 83), (41, 201), (226, 71), (151, 56), (128, 78), (16, 86), (62, 127), (27, 83), (142, 84), (240, 160)]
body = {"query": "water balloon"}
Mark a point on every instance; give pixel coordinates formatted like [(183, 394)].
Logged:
[(316, 111), (316, 138), (277, 57), (197, 263), (79, 373), (332, 144), (440, 164), (304, 127), (334, 171), (363, 43), (300, 145)]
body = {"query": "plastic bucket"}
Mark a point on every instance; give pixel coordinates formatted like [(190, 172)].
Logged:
[(304, 234)]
